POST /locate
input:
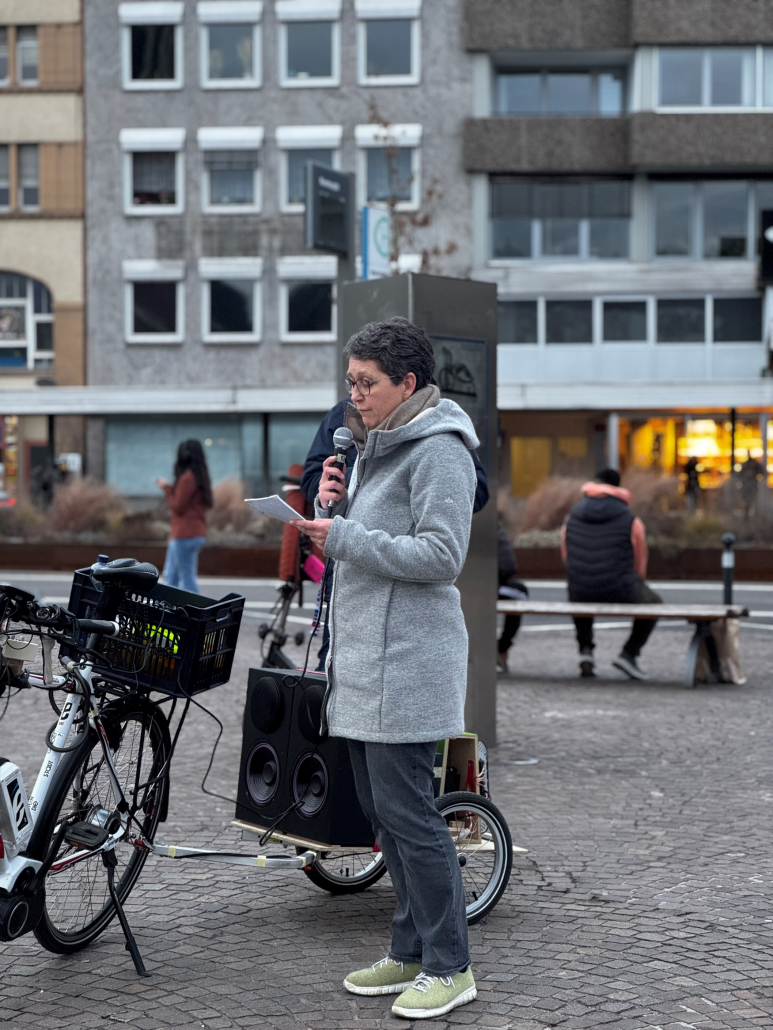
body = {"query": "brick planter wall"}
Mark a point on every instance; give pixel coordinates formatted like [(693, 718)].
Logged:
[(213, 561)]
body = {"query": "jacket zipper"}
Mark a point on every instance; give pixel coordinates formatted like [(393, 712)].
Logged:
[(329, 665)]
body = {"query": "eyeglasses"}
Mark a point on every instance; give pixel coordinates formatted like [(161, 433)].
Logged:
[(363, 385)]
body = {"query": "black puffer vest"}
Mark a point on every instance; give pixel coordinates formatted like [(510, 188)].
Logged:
[(599, 560)]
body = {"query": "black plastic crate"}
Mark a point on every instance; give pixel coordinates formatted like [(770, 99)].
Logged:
[(169, 640)]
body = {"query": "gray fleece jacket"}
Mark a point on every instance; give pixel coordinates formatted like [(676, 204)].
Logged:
[(397, 669)]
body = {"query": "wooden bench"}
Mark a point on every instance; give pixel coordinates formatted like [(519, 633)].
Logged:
[(701, 614)]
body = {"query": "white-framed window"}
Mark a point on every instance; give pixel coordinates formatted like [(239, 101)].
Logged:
[(728, 78), (151, 44), (26, 323), (559, 219), (5, 177), (230, 44), (154, 301), (389, 42), (307, 299), (29, 177), (309, 43), (231, 308), (558, 92), (231, 180), (297, 145), (707, 219), (5, 78), (153, 171), (646, 320), (27, 55), (389, 165)]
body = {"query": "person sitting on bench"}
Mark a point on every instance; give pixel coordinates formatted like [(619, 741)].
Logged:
[(604, 548)]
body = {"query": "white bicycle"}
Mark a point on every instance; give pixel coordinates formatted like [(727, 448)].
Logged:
[(71, 852)]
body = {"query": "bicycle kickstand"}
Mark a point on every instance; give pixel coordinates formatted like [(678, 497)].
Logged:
[(110, 862)]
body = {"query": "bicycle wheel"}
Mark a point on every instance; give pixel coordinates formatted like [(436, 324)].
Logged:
[(484, 847), (345, 872), (78, 905)]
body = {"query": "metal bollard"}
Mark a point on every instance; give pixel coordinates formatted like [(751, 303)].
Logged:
[(728, 566)]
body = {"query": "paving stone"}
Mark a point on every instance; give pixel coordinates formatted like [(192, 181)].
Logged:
[(643, 901)]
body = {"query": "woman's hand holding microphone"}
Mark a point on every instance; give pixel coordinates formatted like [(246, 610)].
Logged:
[(332, 488), (332, 485)]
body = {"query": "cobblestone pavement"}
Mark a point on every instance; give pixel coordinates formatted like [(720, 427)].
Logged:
[(644, 901)]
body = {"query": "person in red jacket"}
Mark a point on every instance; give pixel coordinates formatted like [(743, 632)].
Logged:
[(188, 499)]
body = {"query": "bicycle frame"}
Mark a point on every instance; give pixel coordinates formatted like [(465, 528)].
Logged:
[(12, 866)]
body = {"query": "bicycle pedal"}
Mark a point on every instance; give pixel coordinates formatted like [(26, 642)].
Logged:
[(87, 835)]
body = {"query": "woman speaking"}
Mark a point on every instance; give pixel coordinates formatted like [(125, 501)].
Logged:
[(397, 668)]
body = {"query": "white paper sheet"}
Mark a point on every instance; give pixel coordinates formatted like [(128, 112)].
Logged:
[(274, 506)]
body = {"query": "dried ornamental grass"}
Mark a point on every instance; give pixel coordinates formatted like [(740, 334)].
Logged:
[(229, 513), (551, 502), (84, 505)]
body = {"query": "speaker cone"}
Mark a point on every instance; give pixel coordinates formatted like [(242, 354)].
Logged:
[(262, 774), (266, 705), (310, 712), (310, 784)]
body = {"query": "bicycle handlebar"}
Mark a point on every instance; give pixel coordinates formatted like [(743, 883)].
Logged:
[(25, 608), (102, 626)]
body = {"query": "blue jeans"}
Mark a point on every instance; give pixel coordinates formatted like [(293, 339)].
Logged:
[(182, 563), (394, 787)]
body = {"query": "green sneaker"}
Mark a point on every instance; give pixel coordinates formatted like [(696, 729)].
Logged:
[(384, 977), (430, 996)]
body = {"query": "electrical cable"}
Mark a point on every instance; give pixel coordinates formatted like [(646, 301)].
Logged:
[(296, 680)]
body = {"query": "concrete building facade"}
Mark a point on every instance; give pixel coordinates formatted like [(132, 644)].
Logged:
[(620, 157), (42, 287), (200, 119)]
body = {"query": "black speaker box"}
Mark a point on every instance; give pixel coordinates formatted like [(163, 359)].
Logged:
[(284, 762)]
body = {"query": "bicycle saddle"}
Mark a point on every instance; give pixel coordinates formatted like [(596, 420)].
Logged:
[(127, 573)]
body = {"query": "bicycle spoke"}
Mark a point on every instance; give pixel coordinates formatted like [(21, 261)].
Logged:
[(78, 901)]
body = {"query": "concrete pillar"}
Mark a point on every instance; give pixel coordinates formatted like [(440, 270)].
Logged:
[(613, 440)]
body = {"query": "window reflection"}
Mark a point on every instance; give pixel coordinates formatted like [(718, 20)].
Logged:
[(296, 171), (309, 50), (577, 219), (561, 92), (388, 48), (673, 219), (230, 51), (231, 306), (725, 219), (390, 173), (681, 77), (152, 52)]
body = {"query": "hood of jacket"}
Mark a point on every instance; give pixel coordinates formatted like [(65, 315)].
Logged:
[(420, 416), (596, 508), (594, 489)]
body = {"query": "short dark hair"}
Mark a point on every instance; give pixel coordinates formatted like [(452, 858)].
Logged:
[(609, 476), (397, 346)]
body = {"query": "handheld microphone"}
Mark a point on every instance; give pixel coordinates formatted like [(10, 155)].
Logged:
[(342, 441)]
